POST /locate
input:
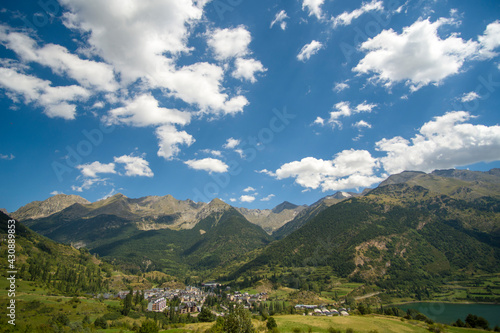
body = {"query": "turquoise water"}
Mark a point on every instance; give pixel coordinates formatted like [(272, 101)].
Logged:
[(447, 313)]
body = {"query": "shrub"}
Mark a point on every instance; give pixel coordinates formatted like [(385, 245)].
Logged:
[(100, 323), (149, 326), (112, 316), (271, 323), (436, 328)]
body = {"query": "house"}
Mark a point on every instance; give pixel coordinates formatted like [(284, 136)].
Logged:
[(123, 294), (318, 312), (211, 285), (157, 304), (303, 306), (189, 307), (344, 313)]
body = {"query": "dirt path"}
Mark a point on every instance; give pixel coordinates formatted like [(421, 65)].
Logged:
[(357, 298)]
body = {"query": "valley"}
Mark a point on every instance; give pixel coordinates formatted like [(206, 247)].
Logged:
[(416, 237)]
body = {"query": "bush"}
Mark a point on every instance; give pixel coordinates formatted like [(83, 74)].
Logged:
[(112, 316), (134, 315), (476, 322), (333, 330), (271, 323), (100, 323), (364, 309), (61, 320), (436, 328), (149, 326)]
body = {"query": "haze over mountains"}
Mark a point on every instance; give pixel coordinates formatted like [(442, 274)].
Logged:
[(445, 222)]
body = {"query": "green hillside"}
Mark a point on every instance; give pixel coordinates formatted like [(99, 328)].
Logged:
[(412, 234), (214, 241), (400, 237), (55, 265)]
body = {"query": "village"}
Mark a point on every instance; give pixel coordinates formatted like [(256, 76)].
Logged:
[(191, 300)]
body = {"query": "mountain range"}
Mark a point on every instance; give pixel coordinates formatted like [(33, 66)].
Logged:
[(413, 227)]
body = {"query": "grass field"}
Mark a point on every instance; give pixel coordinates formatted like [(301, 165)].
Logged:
[(360, 324), (357, 323)]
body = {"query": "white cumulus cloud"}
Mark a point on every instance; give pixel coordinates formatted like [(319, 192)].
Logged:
[(229, 43), (208, 164), (92, 169), (490, 40), (246, 69), (57, 101), (313, 7), (447, 141), (170, 139), (247, 198), (348, 169), (231, 143), (135, 166), (418, 56), (88, 73), (144, 110), (143, 40)]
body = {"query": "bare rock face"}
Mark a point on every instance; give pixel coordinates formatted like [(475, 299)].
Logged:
[(272, 219), (39, 209)]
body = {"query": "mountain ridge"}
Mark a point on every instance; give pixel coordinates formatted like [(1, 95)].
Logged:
[(162, 212), (424, 224)]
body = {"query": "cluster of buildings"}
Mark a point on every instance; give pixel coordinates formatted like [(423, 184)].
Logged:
[(191, 298), (315, 310), (247, 299)]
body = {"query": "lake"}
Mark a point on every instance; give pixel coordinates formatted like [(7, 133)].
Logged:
[(448, 313)]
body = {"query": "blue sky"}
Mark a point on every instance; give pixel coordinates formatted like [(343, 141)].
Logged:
[(254, 102)]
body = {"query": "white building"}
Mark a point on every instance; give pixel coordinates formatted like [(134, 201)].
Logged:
[(157, 304)]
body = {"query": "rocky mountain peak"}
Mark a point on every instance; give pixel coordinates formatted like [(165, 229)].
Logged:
[(282, 206), (54, 204)]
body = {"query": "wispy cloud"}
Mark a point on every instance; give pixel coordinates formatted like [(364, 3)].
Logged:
[(309, 50), (268, 198), (280, 19), (7, 157), (346, 18)]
